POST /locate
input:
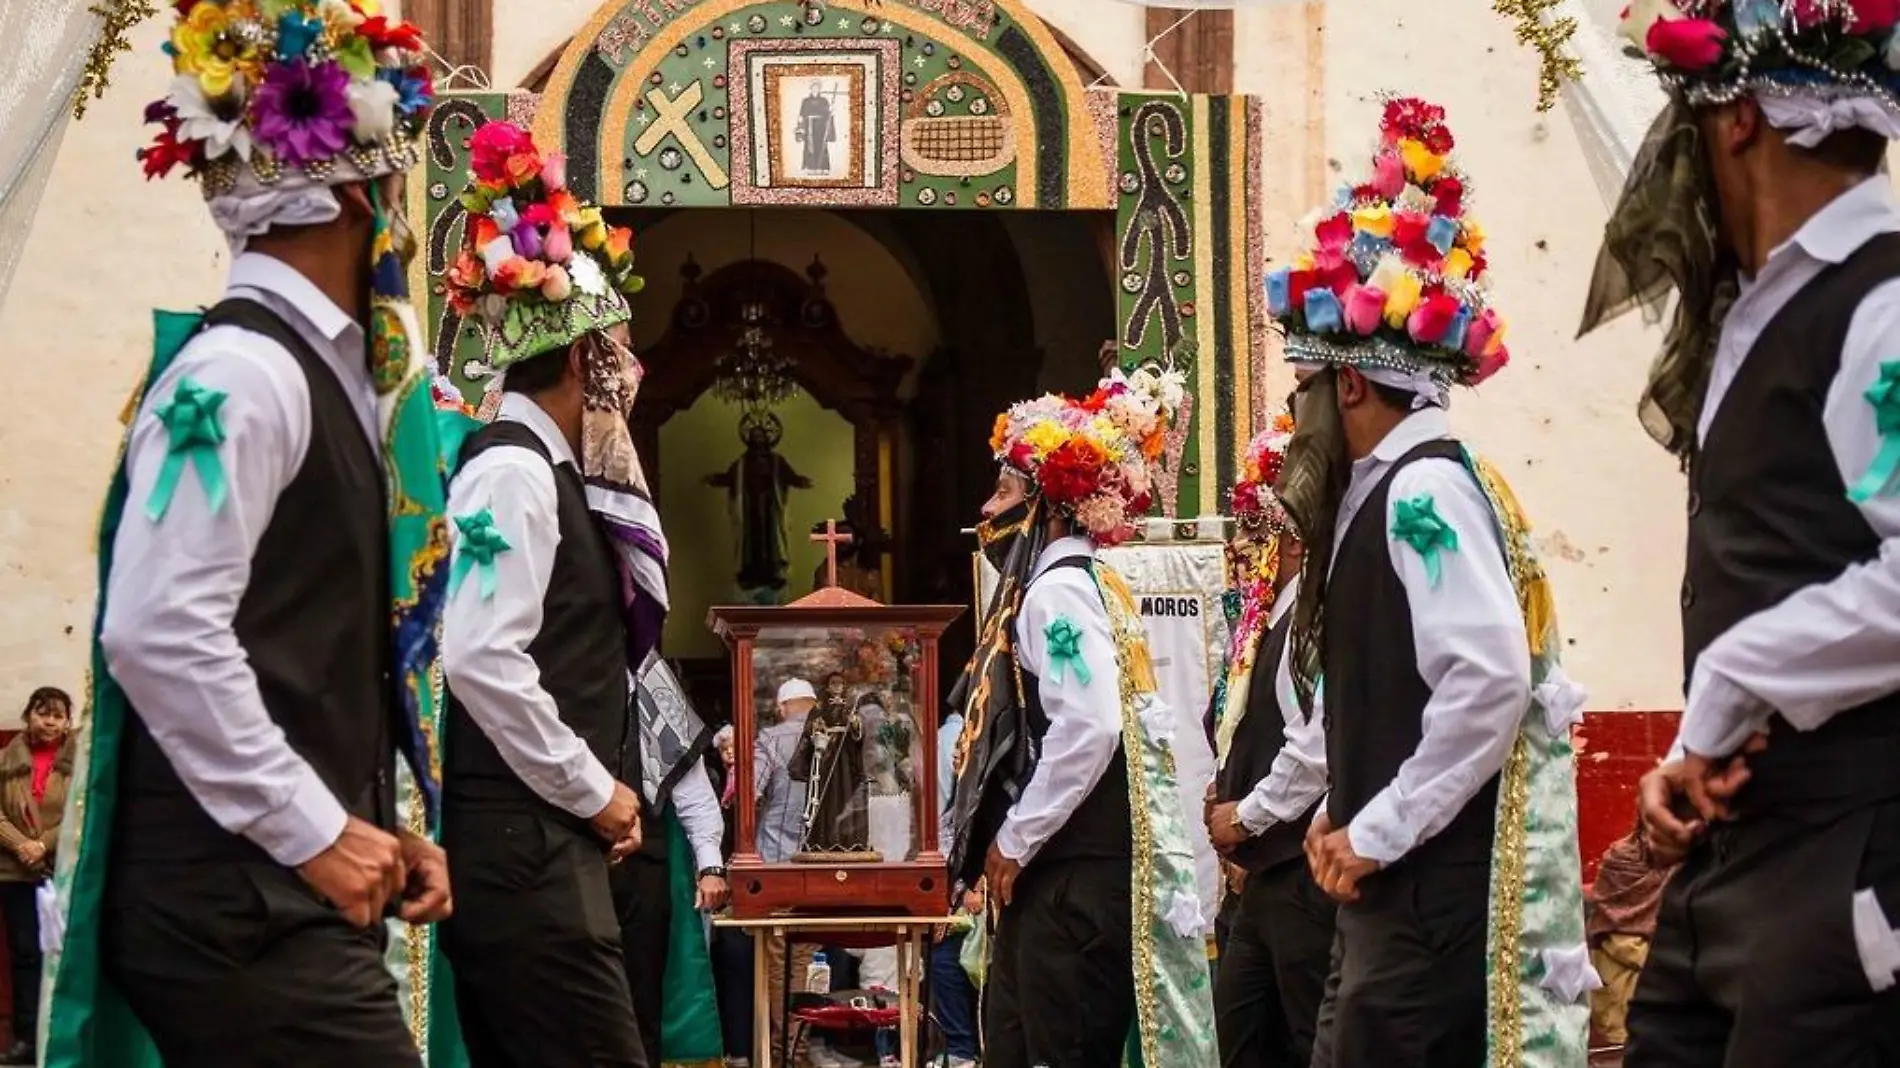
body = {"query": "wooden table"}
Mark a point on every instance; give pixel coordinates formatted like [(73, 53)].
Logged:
[(910, 935)]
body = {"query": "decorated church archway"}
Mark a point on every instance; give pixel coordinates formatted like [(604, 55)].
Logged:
[(913, 105)]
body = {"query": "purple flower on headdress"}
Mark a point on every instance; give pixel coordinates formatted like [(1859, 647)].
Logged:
[(302, 112)]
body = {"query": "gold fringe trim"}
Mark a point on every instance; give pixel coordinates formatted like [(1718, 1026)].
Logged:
[(1507, 908)]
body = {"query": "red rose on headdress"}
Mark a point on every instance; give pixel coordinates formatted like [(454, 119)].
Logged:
[(1690, 44), (493, 150), (1488, 366), (1451, 196), (1432, 319), (1439, 140), (1335, 232), (1021, 455), (380, 32), (1071, 472), (1872, 16)]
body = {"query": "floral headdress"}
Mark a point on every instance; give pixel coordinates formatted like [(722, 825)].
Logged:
[(1089, 458), (540, 268), (1713, 51), (1256, 506), (288, 94), (1393, 275)]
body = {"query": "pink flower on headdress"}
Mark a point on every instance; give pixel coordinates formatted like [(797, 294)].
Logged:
[(1489, 366), (1689, 44), (1432, 319), (1104, 515), (1388, 175), (1335, 233), (1365, 308), (1872, 16), (302, 111)]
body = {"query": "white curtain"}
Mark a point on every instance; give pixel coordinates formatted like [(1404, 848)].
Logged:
[(1617, 98), (43, 48)]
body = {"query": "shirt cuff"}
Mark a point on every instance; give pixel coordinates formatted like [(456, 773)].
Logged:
[(1720, 716), (1379, 833), (310, 823), (588, 795), (1254, 815), (1010, 842), (707, 855), (1878, 942)]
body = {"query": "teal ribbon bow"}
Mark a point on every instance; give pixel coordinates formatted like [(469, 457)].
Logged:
[(1065, 650), (195, 431), (480, 543), (1417, 524), (1883, 475)]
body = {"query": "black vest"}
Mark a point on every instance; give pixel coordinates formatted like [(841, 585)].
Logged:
[(1258, 740), (314, 627), (1100, 828), (1769, 515), (1375, 699), (581, 651)]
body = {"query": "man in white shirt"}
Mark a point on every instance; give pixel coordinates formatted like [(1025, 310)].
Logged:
[(1424, 609), (241, 847), (779, 802), (555, 598), (1050, 775), (1270, 749), (1775, 942)]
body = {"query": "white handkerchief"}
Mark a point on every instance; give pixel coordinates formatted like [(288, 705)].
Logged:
[(1184, 914), (1562, 701), (1569, 974)]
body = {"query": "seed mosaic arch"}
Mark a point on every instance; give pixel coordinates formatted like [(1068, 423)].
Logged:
[(937, 105)]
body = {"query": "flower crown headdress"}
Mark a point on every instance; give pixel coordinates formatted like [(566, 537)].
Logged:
[(1256, 506), (1713, 51), (1393, 273), (538, 267), (282, 93), (1090, 458)]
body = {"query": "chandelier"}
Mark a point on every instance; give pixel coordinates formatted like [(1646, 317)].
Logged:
[(753, 374)]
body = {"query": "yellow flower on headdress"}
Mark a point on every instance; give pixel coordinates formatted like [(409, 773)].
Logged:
[(1303, 261), (208, 46), (1473, 236), (1375, 220), (1044, 438), (1457, 263), (999, 434), (1420, 162), (1401, 299)]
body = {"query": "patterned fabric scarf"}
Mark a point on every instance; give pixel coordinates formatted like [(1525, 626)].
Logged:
[(1256, 567), (1663, 235), (617, 491), (1312, 484), (416, 477)]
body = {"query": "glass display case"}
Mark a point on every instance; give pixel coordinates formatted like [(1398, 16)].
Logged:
[(835, 720)]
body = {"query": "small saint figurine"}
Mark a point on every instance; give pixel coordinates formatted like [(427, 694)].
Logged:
[(830, 760)]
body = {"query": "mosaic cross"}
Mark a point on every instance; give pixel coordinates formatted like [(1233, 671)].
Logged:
[(671, 120)]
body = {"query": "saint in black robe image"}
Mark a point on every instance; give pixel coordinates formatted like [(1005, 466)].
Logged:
[(830, 758), (816, 130)]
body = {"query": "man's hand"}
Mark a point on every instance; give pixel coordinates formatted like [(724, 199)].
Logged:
[(628, 845), (1224, 828), (31, 853), (1679, 799), (999, 875), (1316, 833), (1338, 869), (359, 874), (425, 888), (622, 812), (713, 893), (1236, 877)]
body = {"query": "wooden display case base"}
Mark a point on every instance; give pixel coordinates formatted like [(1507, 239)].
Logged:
[(908, 888)]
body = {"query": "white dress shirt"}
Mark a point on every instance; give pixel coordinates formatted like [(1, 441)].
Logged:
[(1468, 638), (1298, 776), (175, 585), (697, 806), (780, 799), (1085, 717), (1834, 645), (485, 639)]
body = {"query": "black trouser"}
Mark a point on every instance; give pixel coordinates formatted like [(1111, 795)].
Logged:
[(240, 965), (643, 902), (1273, 970), (1754, 963), (535, 945), (1407, 984), (19, 902), (1061, 983), (732, 977)]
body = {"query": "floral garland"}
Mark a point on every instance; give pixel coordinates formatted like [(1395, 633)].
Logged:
[(529, 238), (1090, 458), (1395, 262), (1253, 500), (1716, 49), (299, 83)]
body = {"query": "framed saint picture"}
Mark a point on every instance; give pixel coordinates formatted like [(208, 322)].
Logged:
[(815, 124)]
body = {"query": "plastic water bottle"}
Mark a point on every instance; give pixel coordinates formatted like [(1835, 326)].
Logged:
[(818, 975)]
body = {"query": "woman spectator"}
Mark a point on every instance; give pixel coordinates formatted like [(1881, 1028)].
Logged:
[(34, 770)]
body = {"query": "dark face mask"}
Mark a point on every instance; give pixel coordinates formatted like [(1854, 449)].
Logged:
[(997, 536)]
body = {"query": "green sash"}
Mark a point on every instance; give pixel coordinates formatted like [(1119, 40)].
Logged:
[(689, 1018)]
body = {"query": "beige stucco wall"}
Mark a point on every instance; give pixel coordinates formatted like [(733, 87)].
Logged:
[(107, 247)]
